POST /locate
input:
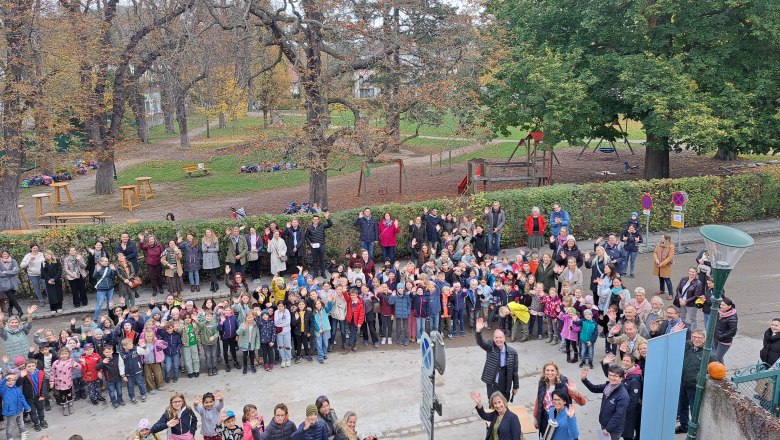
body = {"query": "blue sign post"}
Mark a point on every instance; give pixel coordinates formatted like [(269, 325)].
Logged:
[(661, 389)]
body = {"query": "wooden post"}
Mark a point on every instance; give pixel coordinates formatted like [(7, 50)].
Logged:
[(450, 159), (360, 181), (430, 157), (441, 156), (400, 176)]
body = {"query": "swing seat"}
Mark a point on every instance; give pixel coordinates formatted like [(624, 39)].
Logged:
[(606, 149)]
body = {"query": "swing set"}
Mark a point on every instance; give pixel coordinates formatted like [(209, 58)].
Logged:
[(607, 136), (365, 175)]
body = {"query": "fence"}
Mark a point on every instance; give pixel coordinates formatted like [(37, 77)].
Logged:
[(759, 383)]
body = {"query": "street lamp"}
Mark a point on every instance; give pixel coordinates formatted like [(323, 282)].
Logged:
[(725, 246)]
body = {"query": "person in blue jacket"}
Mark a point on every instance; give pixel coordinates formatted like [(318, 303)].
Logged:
[(420, 303), (562, 411), (402, 304), (504, 424), (14, 406), (311, 428), (369, 231), (559, 219), (173, 339), (614, 403), (178, 417)]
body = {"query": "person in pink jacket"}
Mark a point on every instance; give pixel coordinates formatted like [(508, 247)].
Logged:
[(388, 233), (570, 331), (61, 380)]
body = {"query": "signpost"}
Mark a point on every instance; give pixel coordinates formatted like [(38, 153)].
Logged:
[(432, 352), (679, 200), (647, 205)]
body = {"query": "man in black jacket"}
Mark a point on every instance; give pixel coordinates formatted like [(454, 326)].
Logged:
[(315, 237), (694, 352), (500, 371), (293, 238)]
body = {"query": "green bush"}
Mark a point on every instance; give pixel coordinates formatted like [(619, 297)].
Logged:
[(595, 208)]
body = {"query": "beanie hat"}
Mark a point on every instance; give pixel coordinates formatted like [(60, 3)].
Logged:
[(19, 360), (143, 424), (156, 311), (589, 299), (399, 286), (311, 410), (570, 237), (634, 214)]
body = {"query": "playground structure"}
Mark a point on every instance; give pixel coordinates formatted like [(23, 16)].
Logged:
[(608, 136), (535, 168), (365, 175)]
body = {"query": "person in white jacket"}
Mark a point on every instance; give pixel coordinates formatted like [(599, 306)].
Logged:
[(33, 262)]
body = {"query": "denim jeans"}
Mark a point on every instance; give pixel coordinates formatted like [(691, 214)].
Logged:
[(171, 366), (420, 327), (322, 344), (102, 296), (538, 322), (668, 283), (494, 243), (719, 351), (457, 321), (388, 253), (707, 322), (631, 261), (38, 285), (586, 352), (402, 330), (284, 342), (211, 353), (353, 331), (114, 391), (434, 318), (134, 380), (336, 325), (236, 267), (194, 277), (369, 246)]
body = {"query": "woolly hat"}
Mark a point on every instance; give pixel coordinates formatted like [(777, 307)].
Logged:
[(19, 360), (143, 424), (399, 286), (156, 311), (634, 214), (311, 410), (589, 299), (570, 237)]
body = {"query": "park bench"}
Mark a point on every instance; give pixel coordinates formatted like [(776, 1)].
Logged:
[(199, 168), (61, 225)]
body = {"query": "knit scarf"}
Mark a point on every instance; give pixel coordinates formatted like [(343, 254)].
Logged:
[(731, 312), (609, 389)]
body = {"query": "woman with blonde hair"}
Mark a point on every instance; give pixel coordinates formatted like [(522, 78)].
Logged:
[(346, 428), (51, 275), (178, 419), (551, 381)]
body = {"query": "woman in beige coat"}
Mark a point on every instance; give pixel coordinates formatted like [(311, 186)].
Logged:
[(171, 261), (663, 258)]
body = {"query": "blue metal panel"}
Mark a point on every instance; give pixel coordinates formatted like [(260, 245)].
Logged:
[(661, 390)]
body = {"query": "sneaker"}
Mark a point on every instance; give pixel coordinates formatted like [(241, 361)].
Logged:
[(540, 337), (152, 392), (298, 360), (463, 335), (384, 341), (175, 379), (322, 361), (345, 351), (582, 364), (308, 358), (122, 402), (37, 427), (389, 341), (365, 342), (44, 425), (376, 344), (354, 348), (115, 405), (133, 400), (680, 430), (143, 398), (94, 401)]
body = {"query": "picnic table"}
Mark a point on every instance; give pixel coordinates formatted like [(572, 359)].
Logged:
[(62, 218)]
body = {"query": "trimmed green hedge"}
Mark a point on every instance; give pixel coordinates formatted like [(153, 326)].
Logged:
[(595, 209)]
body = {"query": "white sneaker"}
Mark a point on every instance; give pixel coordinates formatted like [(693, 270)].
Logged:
[(384, 341), (389, 341)]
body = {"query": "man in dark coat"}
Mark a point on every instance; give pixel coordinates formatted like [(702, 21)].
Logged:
[(500, 370), (369, 231), (293, 238)]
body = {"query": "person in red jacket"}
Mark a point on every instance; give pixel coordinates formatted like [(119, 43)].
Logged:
[(388, 233), (534, 227), (152, 251), (356, 315), (89, 361)]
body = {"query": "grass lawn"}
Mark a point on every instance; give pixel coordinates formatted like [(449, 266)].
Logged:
[(224, 176)]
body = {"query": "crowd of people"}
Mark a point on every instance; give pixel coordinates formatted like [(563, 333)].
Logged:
[(454, 282)]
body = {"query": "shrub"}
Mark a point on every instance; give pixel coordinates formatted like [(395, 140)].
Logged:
[(595, 208)]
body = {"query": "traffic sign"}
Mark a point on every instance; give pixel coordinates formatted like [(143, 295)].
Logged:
[(426, 350), (647, 202), (679, 198), (678, 220), (426, 405)]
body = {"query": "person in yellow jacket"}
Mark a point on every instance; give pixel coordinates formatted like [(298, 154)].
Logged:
[(520, 318), (279, 290)]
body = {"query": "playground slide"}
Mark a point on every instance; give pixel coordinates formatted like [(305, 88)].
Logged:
[(463, 185)]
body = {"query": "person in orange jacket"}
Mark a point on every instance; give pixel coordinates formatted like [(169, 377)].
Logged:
[(355, 318)]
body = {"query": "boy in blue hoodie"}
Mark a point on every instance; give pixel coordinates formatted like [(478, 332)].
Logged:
[(35, 388), (14, 405), (131, 357)]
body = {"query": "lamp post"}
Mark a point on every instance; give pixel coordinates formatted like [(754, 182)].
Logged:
[(725, 246)]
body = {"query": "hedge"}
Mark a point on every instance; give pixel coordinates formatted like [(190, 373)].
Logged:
[(595, 209)]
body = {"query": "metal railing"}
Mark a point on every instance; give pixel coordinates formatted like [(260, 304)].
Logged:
[(761, 384)]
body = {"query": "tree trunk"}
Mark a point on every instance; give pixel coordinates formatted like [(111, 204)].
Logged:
[(222, 122), (9, 215), (104, 180), (167, 106), (725, 154), (137, 105), (181, 118), (208, 128), (657, 158), (265, 119), (393, 127), (318, 187)]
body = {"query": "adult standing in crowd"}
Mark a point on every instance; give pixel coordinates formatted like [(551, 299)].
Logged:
[(254, 242), (770, 352), (315, 237), (694, 352), (33, 262), (615, 251), (293, 238), (237, 249), (559, 219), (535, 227), (613, 404), (192, 256), (9, 283), (432, 229), (369, 230), (51, 274), (388, 237), (76, 274), (104, 283), (152, 252), (563, 414), (495, 218), (277, 250), (689, 289), (500, 373), (663, 258), (126, 273), (209, 246), (632, 238), (96, 252), (127, 247), (552, 381), (725, 329), (503, 423)]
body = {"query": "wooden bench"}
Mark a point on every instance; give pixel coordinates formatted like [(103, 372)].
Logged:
[(190, 169), (102, 218), (133, 220), (17, 231)]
